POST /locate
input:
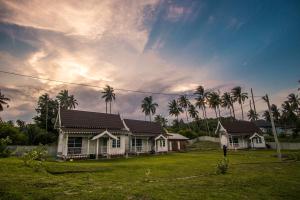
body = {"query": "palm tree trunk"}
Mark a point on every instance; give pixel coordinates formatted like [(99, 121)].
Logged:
[(230, 112), (187, 118), (150, 116), (233, 111), (242, 111), (219, 112), (106, 107), (205, 117), (110, 107), (216, 112)]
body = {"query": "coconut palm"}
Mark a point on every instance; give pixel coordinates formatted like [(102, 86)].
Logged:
[(3, 101), (193, 112), (227, 102), (240, 97), (266, 115), (184, 103), (175, 109), (214, 102), (160, 119), (109, 96), (201, 97), (148, 106), (252, 115), (66, 101), (275, 113), (294, 101)]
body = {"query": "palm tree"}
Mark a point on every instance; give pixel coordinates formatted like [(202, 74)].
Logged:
[(184, 103), (240, 97), (148, 106), (266, 115), (3, 101), (66, 101), (227, 102), (109, 96), (275, 113), (160, 119), (252, 115), (294, 101), (175, 109), (214, 102), (193, 112), (201, 103)]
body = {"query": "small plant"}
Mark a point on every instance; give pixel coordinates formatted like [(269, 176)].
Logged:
[(222, 166), (4, 151), (35, 158), (147, 175)]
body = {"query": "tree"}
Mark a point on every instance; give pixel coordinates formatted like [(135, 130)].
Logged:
[(148, 106), (160, 119), (214, 102), (174, 108), (66, 101), (240, 97), (252, 115), (193, 112), (294, 101), (184, 103), (109, 96), (288, 115), (201, 97), (266, 116), (46, 113), (227, 102), (275, 113), (3, 101)]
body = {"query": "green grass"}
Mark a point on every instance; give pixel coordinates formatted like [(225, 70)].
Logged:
[(252, 175)]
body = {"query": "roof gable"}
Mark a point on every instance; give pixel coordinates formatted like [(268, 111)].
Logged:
[(144, 127), (84, 119), (240, 127)]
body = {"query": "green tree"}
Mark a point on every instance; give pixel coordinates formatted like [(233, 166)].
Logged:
[(214, 102), (227, 102), (266, 115), (193, 112), (148, 106), (3, 101), (162, 120), (294, 102), (109, 96), (184, 103), (201, 97), (66, 101), (275, 113), (175, 109), (252, 115), (240, 97)]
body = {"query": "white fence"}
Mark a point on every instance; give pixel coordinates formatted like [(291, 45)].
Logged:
[(20, 149), (285, 145), (204, 138)]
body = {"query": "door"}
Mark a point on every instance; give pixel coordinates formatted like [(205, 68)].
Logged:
[(174, 146), (103, 145)]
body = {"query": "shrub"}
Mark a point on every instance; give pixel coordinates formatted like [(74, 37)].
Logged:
[(4, 151), (35, 158), (222, 166)]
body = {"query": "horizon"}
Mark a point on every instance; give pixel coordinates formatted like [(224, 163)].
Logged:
[(149, 46)]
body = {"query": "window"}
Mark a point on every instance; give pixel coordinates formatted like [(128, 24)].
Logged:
[(139, 142), (162, 143), (116, 143), (258, 140), (74, 145)]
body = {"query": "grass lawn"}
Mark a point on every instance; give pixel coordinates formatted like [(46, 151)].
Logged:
[(252, 175)]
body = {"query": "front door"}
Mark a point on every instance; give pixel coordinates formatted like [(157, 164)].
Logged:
[(103, 145)]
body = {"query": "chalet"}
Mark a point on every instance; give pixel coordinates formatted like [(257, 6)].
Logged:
[(146, 136), (85, 134), (177, 142), (240, 135)]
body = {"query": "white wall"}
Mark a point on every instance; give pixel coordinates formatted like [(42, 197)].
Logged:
[(160, 148)]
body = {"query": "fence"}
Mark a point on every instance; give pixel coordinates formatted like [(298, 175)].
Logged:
[(20, 149), (285, 145), (204, 138)]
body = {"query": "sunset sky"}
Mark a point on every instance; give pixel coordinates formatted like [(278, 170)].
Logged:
[(149, 45)]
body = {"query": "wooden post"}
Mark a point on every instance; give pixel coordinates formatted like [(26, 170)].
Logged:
[(135, 144), (273, 128), (97, 148), (66, 152), (253, 101), (88, 147), (147, 145)]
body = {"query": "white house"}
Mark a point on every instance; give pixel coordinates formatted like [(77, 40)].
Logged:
[(85, 134), (240, 135), (177, 142)]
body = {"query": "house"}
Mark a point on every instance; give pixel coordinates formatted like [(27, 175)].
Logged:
[(85, 134), (240, 135), (146, 136), (266, 127), (177, 142)]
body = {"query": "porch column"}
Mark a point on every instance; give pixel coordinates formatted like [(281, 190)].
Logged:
[(243, 142), (66, 145), (252, 143), (97, 148), (108, 148), (154, 145), (147, 145), (88, 146), (135, 144), (232, 142)]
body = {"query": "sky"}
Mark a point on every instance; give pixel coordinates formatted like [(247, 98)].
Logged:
[(149, 45)]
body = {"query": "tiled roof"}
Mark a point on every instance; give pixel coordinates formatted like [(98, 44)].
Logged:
[(91, 131), (240, 127), (90, 120), (138, 127)]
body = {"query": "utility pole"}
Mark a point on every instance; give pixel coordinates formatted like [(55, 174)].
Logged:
[(273, 128), (253, 101)]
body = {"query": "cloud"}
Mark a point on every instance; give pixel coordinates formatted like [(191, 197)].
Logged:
[(176, 12), (234, 23)]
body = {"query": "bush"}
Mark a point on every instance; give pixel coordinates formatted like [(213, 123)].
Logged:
[(35, 158), (4, 151), (222, 166), (294, 156), (188, 133)]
